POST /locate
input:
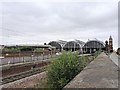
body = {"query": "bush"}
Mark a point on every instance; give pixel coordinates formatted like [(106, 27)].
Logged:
[(26, 48), (38, 50), (11, 50), (64, 68)]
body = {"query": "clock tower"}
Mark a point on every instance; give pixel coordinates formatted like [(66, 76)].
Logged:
[(110, 44)]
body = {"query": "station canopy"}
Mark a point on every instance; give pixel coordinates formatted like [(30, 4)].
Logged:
[(58, 44), (77, 44), (94, 44)]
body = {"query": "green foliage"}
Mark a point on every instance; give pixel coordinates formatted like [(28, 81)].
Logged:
[(17, 49), (64, 68), (26, 48), (38, 50), (97, 53), (11, 49)]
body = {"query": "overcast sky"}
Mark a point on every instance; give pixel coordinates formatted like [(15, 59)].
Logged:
[(40, 22)]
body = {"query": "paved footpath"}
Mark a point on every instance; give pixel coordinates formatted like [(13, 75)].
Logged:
[(100, 73), (115, 58)]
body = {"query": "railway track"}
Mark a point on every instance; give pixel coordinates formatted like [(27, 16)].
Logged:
[(14, 73), (21, 75), (11, 70)]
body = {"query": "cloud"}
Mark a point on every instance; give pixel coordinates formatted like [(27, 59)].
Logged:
[(42, 22)]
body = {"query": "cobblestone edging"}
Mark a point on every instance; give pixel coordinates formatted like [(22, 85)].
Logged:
[(100, 73)]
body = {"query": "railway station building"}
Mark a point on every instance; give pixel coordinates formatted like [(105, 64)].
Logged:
[(93, 45), (75, 45), (58, 44)]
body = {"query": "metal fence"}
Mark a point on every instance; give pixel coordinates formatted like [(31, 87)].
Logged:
[(22, 57)]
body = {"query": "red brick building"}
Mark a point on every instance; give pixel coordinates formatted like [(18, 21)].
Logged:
[(109, 46)]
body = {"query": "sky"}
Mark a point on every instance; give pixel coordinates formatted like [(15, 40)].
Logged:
[(39, 22)]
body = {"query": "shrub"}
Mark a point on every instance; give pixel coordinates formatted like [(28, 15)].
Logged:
[(38, 50), (64, 68), (26, 48), (11, 50)]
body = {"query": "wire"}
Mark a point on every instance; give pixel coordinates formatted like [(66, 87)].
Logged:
[(14, 31)]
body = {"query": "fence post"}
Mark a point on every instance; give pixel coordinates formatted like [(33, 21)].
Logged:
[(37, 55), (23, 59), (51, 53), (13, 59), (31, 58), (19, 57), (43, 56)]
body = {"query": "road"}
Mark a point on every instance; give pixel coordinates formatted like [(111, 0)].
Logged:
[(12, 60), (115, 58)]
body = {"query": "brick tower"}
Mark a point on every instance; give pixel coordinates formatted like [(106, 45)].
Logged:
[(106, 46), (110, 44)]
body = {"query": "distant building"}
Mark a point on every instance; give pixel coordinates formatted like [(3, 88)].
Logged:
[(92, 46), (28, 47), (109, 46), (75, 45), (58, 44), (67, 46), (106, 46)]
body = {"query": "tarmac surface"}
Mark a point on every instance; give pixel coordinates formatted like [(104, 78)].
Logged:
[(100, 73)]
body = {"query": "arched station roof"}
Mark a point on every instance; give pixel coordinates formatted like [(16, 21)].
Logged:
[(74, 44), (94, 44), (81, 43), (58, 44)]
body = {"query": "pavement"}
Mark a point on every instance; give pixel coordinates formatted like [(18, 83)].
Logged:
[(115, 58), (100, 73)]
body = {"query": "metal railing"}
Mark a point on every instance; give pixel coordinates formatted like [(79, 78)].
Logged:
[(13, 58)]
